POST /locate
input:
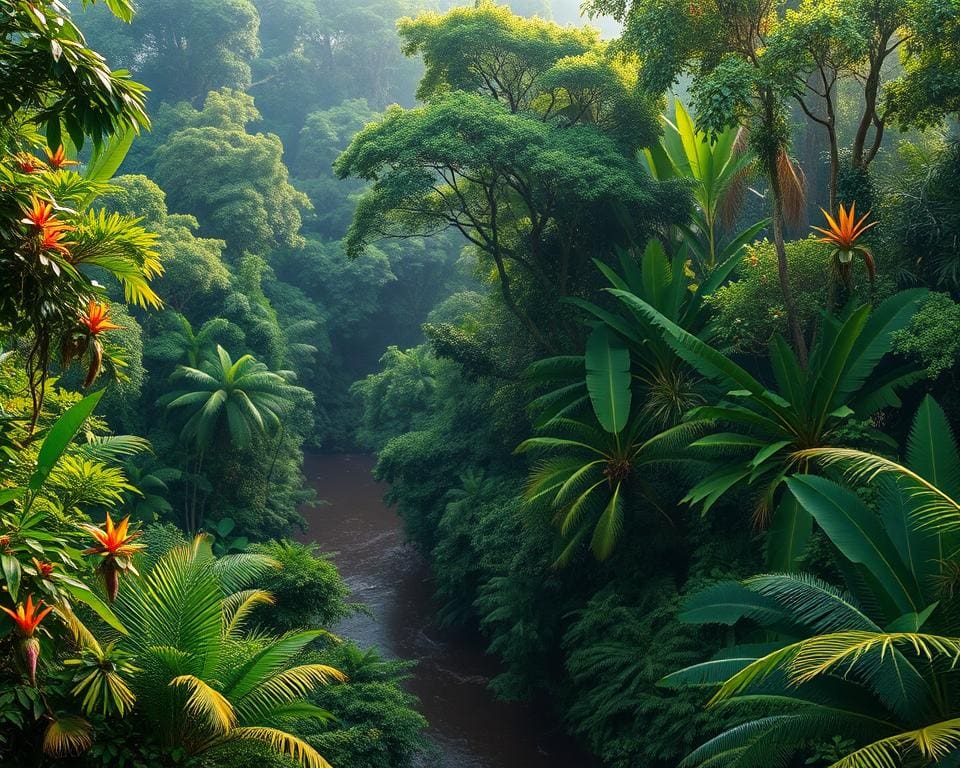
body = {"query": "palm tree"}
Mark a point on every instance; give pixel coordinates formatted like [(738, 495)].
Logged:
[(875, 663), (772, 427), (243, 397), (205, 682), (180, 344)]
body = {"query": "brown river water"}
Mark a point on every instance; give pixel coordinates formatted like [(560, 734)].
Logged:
[(468, 726)]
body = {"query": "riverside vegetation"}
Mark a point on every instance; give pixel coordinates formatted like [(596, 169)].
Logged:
[(655, 339)]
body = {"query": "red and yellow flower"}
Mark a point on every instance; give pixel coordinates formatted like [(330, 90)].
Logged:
[(843, 234), (97, 318), (27, 617), (40, 214), (44, 569), (58, 159), (27, 163), (53, 240), (117, 546)]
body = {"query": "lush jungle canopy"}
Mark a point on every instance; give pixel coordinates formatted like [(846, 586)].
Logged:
[(647, 310)]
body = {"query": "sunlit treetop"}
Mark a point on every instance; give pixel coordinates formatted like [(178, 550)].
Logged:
[(930, 87), (490, 50), (736, 44)]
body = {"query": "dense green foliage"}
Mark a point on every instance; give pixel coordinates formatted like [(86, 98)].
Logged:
[(562, 286)]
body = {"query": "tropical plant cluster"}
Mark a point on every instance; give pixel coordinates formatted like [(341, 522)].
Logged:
[(148, 618), (688, 466), (654, 337)]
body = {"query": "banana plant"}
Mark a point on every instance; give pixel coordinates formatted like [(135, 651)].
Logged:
[(664, 381), (767, 429), (873, 663), (717, 169), (591, 461)]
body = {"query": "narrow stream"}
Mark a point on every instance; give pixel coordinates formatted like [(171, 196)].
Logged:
[(469, 727)]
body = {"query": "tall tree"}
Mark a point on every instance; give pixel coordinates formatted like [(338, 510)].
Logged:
[(183, 49), (526, 145), (234, 182), (724, 46)]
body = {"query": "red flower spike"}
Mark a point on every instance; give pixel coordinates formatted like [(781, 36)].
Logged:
[(28, 163), (117, 547), (96, 321), (59, 159), (44, 569)]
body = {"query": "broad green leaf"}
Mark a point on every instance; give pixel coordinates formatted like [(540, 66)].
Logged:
[(59, 437), (854, 530), (89, 598), (608, 379), (12, 573), (790, 529), (106, 160)]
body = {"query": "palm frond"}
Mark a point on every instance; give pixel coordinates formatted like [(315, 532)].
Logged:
[(933, 507), (207, 703), (296, 749), (66, 736), (932, 742), (238, 606)]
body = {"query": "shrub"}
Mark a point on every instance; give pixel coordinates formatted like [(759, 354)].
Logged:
[(307, 588)]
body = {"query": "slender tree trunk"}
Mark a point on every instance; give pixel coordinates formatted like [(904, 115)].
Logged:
[(193, 504), (793, 316)]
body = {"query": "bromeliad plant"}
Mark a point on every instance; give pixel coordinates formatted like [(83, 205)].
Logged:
[(845, 234), (54, 246), (27, 617), (767, 429), (117, 547), (876, 663), (44, 576)]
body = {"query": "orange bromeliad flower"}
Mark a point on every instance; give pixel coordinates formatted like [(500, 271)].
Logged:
[(843, 234), (59, 159), (51, 239), (97, 320), (117, 547), (40, 214), (27, 618)]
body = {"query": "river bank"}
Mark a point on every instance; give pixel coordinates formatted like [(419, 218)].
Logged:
[(468, 726)]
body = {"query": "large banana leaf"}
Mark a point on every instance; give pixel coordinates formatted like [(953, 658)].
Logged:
[(608, 379)]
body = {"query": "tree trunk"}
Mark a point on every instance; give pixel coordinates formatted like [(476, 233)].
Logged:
[(793, 316)]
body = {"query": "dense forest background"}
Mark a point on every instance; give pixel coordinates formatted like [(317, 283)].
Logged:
[(562, 282)]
